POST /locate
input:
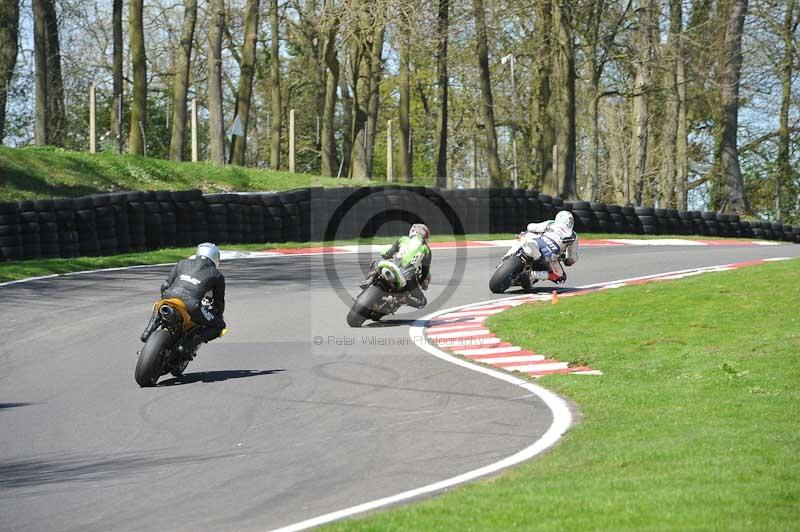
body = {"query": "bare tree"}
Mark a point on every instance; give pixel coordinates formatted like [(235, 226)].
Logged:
[(246, 79), (487, 104), (56, 113), (183, 62), (442, 29), (565, 116), (216, 129), (116, 90), (641, 96), (670, 188), (139, 62), (275, 82), (9, 33), (542, 132), (328, 140), (404, 159), (784, 168), (41, 132), (730, 194)]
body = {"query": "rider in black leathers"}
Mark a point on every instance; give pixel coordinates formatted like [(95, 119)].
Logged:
[(190, 281)]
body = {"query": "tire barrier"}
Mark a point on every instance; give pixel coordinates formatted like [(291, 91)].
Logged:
[(121, 222)]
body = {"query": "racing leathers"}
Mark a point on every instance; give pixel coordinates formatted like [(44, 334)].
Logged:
[(555, 240), (191, 280), (417, 253)]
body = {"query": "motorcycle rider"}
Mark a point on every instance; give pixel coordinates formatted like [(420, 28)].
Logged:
[(416, 241), (191, 280), (557, 238)]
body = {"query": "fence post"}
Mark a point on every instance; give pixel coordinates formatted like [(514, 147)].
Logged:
[(389, 161), (92, 120), (291, 140), (194, 130)]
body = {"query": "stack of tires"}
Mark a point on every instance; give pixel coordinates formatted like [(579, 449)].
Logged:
[(648, 220), (191, 217), (67, 227), (137, 215), (632, 221), (10, 232), (118, 202), (293, 219), (218, 217), (582, 213), (547, 206), (686, 222), (710, 226), (619, 224), (29, 229), (48, 228), (273, 218), (105, 224)]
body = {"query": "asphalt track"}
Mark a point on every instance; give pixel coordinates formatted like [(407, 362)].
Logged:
[(266, 428)]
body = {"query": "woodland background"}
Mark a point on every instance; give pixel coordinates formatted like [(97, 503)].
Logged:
[(672, 103)]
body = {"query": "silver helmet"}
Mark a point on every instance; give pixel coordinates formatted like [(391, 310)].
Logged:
[(210, 251)]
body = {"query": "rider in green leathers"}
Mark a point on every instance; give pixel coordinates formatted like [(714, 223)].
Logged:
[(411, 250)]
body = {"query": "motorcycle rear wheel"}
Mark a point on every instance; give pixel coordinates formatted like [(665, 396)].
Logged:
[(504, 274), (361, 310), (151, 358)]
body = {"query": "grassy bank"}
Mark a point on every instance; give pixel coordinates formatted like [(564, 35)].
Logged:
[(32, 173), (694, 425)]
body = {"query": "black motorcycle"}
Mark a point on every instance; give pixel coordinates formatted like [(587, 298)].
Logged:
[(386, 293), (165, 349)]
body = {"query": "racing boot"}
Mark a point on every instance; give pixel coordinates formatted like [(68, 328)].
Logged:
[(369, 280), (416, 299), (151, 325), (537, 276)]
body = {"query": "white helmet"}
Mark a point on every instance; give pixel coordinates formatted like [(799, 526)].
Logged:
[(421, 230), (209, 251), (565, 218)]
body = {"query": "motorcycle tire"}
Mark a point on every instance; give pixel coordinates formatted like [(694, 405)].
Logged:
[(504, 274), (361, 310), (151, 359)]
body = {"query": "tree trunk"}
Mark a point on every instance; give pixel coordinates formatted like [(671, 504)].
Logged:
[(360, 62), (246, 80), (55, 91), (139, 63), (487, 104), (216, 128), (565, 116), (347, 121), (375, 75), (404, 164), (183, 61), (542, 134), (784, 168), (116, 89), (329, 160), (41, 136), (443, 24), (640, 129), (9, 33), (670, 189), (275, 82), (733, 198)]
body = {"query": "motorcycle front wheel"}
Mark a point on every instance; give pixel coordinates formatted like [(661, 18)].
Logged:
[(505, 274), (151, 359)]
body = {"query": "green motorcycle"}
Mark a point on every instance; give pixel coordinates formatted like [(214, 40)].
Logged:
[(389, 283)]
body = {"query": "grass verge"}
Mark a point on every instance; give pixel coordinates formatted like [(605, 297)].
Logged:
[(13, 271), (33, 173), (694, 425)]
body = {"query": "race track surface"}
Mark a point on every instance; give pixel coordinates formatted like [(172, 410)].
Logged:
[(266, 428)]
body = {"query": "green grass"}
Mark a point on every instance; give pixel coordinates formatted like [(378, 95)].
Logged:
[(694, 425), (33, 173)]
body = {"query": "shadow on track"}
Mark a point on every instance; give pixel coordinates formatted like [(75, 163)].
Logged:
[(217, 376), (3, 406)]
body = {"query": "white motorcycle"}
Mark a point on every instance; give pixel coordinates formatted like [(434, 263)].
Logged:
[(523, 258)]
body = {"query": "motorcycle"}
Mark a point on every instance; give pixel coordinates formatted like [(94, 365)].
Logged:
[(384, 295), (165, 349), (521, 259)]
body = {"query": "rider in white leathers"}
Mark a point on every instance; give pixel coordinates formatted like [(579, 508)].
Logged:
[(557, 238)]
